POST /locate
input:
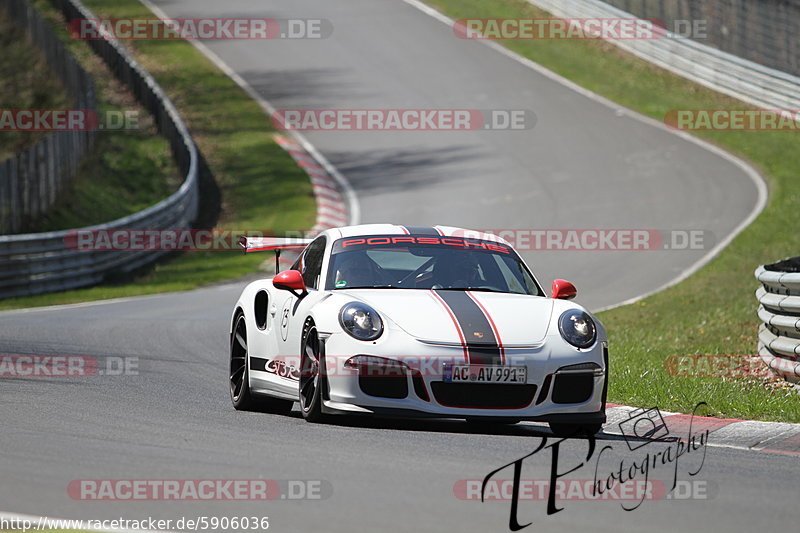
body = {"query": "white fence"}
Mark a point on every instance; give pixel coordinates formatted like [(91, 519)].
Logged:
[(36, 263)]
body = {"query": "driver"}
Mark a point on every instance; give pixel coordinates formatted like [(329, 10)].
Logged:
[(458, 272), (355, 269)]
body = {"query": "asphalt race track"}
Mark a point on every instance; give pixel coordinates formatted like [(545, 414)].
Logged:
[(582, 166), (174, 421)]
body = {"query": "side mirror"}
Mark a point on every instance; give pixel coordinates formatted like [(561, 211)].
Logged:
[(292, 281), (563, 289)]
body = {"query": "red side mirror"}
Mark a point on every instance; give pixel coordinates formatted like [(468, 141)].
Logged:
[(290, 280), (564, 290)]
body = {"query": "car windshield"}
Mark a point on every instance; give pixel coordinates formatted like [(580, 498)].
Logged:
[(425, 262)]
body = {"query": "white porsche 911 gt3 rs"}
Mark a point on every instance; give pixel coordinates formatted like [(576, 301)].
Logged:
[(391, 320)]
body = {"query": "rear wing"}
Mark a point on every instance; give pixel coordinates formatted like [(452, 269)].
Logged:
[(276, 244)]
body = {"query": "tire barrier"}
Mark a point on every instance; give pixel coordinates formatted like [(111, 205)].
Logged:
[(779, 312)]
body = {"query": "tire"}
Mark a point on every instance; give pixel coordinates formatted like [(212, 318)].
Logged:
[(574, 430), (239, 377), (311, 376)]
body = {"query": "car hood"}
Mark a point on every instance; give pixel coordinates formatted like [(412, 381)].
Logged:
[(437, 316)]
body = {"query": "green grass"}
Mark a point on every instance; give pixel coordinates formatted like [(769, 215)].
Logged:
[(262, 188), (127, 170), (26, 83), (714, 311)]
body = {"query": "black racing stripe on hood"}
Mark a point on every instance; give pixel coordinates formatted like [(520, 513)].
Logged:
[(421, 230), (482, 345)]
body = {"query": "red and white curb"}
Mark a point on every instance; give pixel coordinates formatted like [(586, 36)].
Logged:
[(331, 205), (332, 209), (773, 437)]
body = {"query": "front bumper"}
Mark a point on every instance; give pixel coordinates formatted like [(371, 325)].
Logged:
[(420, 392)]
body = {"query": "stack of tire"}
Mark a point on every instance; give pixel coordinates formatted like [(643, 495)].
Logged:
[(779, 312)]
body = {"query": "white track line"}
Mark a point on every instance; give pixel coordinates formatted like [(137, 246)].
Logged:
[(752, 173), (354, 209), (352, 200), (123, 299)]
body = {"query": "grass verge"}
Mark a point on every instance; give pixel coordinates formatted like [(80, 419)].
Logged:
[(714, 311), (128, 169), (262, 187)]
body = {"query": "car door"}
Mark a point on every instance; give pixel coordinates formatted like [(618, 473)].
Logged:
[(294, 311)]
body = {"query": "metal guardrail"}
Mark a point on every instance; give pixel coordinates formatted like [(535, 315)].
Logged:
[(779, 312), (740, 78), (779, 296), (764, 31), (36, 263), (32, 180)]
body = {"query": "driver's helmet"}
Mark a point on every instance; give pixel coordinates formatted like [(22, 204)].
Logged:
[(460, 270), (354, 269), (466, 270)]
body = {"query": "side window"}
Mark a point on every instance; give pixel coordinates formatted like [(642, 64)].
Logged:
[(311, 262)]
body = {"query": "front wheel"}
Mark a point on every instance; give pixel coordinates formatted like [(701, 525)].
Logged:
[(311, 375), (574, 430)]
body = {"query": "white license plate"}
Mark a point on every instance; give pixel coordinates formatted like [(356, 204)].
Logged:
[(485, 374)]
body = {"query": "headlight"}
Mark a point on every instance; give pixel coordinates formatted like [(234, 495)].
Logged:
[(577, 328), (361, 321)]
